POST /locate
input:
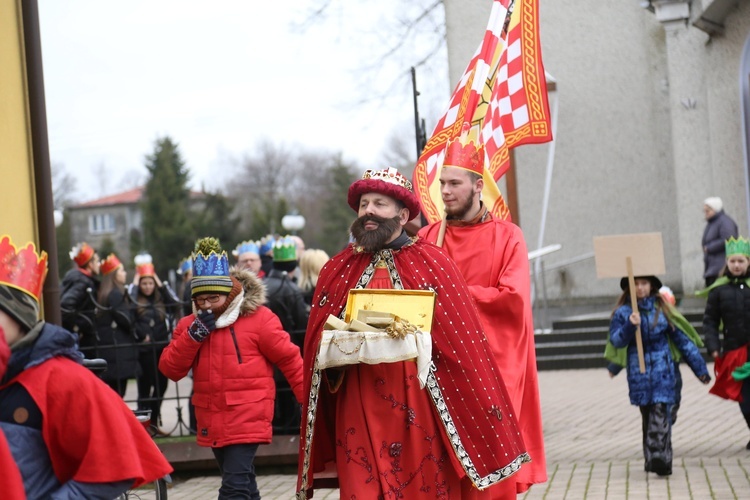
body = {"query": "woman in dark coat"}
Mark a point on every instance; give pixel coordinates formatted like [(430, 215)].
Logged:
[(114, 327), (653, 391), (729, 304), (719, 228), (155, 305)]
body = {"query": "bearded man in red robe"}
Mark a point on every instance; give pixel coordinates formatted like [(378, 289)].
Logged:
[(373, 425), (491, 255)]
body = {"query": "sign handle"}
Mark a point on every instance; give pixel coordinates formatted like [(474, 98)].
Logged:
[(634, 306)]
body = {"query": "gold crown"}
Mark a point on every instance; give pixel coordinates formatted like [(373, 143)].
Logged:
[(389, 175)]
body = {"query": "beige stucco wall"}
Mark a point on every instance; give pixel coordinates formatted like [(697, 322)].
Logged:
[(629, 156), (17, 201)]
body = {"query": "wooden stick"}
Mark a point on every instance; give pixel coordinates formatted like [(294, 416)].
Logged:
[(634, 306), (441, 232)]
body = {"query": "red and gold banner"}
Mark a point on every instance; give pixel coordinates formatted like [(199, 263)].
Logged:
[(502, 95)]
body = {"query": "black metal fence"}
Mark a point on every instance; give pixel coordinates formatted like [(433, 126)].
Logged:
[(172, 401)]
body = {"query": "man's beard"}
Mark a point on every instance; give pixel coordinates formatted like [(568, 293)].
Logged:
[(376, 239), (460, 211)]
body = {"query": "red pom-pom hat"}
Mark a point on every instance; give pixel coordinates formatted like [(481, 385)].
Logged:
[(388, 182)]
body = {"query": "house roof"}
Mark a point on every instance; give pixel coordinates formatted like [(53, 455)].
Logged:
[(125, 198), (130, 197)]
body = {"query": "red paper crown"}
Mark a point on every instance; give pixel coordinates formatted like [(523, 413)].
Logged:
[(463, 153), (144, 265), (81, 254), (22, 269), (111, 263)]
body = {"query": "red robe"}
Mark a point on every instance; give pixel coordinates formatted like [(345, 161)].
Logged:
[(493, 259), (465, 398), (12, 484), (91, 435)]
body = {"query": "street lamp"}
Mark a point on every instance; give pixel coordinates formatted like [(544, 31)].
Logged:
[(293, 222), (58, 216)]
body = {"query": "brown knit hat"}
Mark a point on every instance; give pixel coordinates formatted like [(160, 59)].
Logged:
[(236, 289)]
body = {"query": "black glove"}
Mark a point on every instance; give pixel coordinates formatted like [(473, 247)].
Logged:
[(705, 378), (203, 324)]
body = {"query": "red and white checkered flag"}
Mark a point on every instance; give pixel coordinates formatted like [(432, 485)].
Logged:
[(502, 94)]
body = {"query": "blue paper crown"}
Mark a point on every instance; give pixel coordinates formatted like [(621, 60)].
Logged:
[(266, 244), (212, 264), (246, 247), (185, 266)]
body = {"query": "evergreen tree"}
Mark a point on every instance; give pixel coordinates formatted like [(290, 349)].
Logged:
[(266, 219), (64, 244), (216, 220), (167, 225), (337, 214)]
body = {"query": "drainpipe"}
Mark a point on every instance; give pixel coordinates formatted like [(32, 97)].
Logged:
[(40, 155)]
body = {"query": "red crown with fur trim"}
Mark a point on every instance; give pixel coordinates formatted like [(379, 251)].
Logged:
[(111, 263), (81, 254), (388, 182), (22, 269), (464, 153), (144, 265)]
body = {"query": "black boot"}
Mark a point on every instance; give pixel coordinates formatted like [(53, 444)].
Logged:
[(657, 438)]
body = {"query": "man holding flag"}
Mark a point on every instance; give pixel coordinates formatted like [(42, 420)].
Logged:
[(499, 103)]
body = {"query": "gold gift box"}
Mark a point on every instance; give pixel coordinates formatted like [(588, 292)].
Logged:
[(416, 306)]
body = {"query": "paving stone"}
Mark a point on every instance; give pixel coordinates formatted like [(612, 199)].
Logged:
[(594, 447)]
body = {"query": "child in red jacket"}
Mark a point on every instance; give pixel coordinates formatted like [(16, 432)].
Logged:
[(231, 342)]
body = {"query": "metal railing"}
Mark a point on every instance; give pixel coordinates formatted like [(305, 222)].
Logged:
[(176, 398), (538, 272)]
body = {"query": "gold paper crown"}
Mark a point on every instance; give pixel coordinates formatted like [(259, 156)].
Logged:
[(389, 175), (737, 246), (22, 269)]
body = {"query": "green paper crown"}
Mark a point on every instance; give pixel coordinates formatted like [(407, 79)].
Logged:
[(284, 250), (737, 246)]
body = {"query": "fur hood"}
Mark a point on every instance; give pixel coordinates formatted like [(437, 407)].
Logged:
[(253, 288)]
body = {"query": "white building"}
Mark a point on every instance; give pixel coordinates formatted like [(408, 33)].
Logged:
[(653, 112)]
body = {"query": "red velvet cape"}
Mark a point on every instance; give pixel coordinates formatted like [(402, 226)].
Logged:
[(90, 433), (466, 388), (493, 259)]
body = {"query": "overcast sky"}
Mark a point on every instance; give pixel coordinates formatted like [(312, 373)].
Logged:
[(219, 76)]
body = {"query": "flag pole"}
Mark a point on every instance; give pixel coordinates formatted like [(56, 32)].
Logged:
[(441, 232)]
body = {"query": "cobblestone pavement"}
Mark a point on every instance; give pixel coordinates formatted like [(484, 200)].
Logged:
[(593, 439)]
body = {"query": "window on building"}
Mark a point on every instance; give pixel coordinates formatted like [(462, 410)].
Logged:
[(101, 223)]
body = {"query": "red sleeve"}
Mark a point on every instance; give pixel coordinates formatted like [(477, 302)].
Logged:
[(277, 346), (91, 434), (12, 484), (177, 358)]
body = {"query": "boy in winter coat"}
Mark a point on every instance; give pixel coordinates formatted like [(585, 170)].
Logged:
[(231, 342)]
